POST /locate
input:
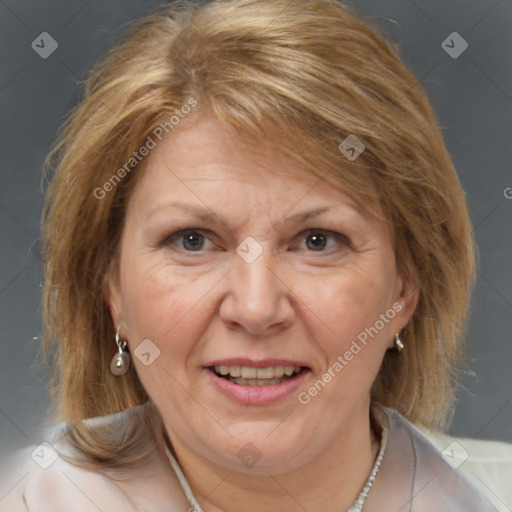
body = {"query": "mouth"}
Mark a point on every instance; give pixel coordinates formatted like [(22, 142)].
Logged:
[(252, 376), (257, 382)]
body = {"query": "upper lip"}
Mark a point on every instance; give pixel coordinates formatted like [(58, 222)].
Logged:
[(261, 363)]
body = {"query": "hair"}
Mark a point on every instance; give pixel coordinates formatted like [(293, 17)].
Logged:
[(300, 76)]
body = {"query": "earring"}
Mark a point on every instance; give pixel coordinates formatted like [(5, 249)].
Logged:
[(121, 361), (399, 344)]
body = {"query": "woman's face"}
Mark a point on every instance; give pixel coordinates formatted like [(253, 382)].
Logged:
[(237, 270)]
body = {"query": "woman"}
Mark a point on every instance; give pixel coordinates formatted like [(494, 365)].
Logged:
[(258, 263)]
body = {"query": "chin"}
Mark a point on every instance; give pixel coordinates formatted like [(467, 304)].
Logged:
[(261, 451)]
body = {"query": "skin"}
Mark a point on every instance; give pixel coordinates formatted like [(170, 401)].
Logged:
[(292, 302)]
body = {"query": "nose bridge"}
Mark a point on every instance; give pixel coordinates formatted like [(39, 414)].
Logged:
[(254, 285), (257, 299)]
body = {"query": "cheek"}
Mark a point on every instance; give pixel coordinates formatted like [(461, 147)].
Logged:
[(165, 306), (351, 357), (350, 306)]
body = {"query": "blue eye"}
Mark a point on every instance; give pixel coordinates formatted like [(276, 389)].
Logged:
[(192, 241), (189, 240)]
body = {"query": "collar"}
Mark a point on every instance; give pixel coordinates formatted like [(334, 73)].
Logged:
[(415, 478)]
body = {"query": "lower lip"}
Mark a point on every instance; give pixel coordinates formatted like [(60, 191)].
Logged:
[(258, 395)]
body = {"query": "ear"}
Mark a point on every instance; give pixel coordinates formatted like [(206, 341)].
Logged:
[(112, 295), (406, 299)]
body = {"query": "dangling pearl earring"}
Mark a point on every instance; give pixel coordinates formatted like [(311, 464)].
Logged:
[(121, 361), (398, 342)]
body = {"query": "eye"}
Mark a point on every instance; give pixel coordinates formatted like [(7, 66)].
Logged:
[(321, 241), (190, 240), (316, 242)]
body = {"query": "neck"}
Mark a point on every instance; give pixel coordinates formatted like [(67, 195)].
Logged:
[(331, 481)]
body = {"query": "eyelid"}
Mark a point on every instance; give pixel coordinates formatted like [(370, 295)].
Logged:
[(176, 235), (340, 237), (210, 236)]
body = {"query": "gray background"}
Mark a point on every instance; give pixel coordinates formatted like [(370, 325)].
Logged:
[(471, 94)]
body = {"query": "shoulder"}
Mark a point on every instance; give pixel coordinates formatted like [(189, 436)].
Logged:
[(484, 465), (436, 471), (488, 464), (50, 480), (51, 483)]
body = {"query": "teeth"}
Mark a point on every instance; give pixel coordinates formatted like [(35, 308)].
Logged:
[(278, 371), (265, 373), (235, 371), (249, 373), (256, 382)]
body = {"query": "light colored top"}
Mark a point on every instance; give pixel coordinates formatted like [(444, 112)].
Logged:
[(417, 472), (356, 507)]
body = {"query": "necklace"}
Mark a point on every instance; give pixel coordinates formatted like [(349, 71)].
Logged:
[(361, 499), (356, 507)]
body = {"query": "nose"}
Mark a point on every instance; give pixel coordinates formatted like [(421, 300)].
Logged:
[(258, 300)]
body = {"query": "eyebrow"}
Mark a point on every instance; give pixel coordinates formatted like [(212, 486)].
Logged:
[(205, 214), (202, 214), (297, 218)]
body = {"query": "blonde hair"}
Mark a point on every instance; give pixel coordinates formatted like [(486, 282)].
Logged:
[(301, 76)]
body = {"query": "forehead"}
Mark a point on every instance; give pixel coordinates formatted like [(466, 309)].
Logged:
[(203, 163), (191, 151)]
